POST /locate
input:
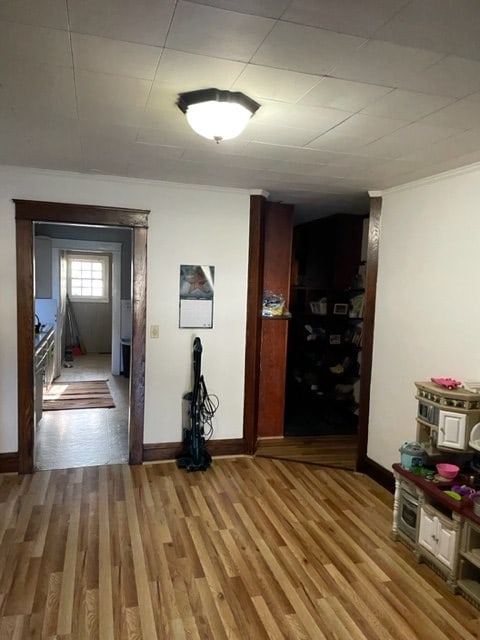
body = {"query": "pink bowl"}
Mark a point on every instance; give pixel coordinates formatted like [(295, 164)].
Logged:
[(448, 471)]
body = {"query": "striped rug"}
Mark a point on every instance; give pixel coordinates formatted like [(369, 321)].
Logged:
[(91, 394)]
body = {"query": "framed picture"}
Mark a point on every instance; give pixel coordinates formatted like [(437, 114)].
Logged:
[(340, 308), (335, 339)]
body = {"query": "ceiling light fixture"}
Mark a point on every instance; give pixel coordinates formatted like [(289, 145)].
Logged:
[(215, 114)]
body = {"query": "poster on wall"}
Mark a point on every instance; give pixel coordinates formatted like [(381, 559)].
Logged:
[(196, 296)]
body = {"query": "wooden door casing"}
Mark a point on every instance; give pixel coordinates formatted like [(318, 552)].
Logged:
[(27, 212)]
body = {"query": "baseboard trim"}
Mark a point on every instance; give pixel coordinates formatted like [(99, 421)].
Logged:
[(171, 450), (9, 462), (383, 476)]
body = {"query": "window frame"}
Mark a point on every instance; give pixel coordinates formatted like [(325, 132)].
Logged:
[(97, 258)]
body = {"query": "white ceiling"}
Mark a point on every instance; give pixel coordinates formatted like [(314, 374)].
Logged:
[(354, 94)]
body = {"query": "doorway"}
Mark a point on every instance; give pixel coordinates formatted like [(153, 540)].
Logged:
[(254, 361), (327, 299), (28, 212), (82, 287)]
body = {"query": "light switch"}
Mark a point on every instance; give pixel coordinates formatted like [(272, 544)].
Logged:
[(154, 331)]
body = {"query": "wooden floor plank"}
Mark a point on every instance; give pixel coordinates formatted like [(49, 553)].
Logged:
[(260, 548), (106, 624), (145, 605), (330, 451)]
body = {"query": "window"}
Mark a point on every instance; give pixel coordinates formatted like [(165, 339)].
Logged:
[(88, 277)]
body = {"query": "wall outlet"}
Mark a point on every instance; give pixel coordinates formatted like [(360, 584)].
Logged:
[(154, 331)]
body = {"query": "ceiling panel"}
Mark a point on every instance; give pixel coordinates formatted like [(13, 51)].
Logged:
[(113, 91), (216, 32), (142, 21), (42, 13), (408, 138), (265, 8), (40, 89), (384, 63), (166, 136), (35, 45), (113, 56), (299, 116), (353, 96), (188, 71), (292, 153), (344, 16), (463, 114), (449, 76), (50, 141), (448, 26), (271, 134), (305, 49), (406, 105), (105, 153), (344, 94), (367, 128), (452, 147), (274, 84)]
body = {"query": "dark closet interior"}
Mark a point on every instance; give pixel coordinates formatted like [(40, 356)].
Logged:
[(324, 355)]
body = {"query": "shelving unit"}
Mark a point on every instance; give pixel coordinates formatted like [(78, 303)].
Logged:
[(469, 567), (325, 337)]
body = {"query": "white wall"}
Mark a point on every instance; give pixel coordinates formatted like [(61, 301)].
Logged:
[(427, 319), (187, 224)]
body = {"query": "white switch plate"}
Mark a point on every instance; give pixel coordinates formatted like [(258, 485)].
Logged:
[(154, 331)]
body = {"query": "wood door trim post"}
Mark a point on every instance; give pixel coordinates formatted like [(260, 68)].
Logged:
[(254, 323), (368, 328)]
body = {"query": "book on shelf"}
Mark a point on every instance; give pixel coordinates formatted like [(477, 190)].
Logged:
[(353, 335), (357, 335)]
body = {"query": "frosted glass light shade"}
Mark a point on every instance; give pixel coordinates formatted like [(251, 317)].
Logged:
[(217, 115), (218, 120)]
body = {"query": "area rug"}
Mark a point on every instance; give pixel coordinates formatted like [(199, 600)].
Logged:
[(91, 394)]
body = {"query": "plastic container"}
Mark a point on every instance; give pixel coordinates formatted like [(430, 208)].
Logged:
[(448, 471), (412, 454)]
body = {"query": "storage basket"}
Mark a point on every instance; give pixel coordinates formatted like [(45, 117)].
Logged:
[(474, 441)]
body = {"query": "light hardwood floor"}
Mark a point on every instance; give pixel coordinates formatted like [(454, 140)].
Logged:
[(250, 549), (330, 451)]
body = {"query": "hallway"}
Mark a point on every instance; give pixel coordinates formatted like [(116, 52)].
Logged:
[(85, 437)]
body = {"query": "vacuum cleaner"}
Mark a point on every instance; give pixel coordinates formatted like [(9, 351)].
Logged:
[(200, 409)]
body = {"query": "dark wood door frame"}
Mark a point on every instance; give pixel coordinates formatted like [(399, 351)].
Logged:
[(253, 332), (254, 323), (363, 464), (27, 212)]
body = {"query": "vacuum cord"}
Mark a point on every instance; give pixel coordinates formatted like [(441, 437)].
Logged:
[(208, 406)]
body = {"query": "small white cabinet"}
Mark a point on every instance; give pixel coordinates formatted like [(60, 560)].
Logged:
[(452, 430), (438, 536), (438, 540)]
